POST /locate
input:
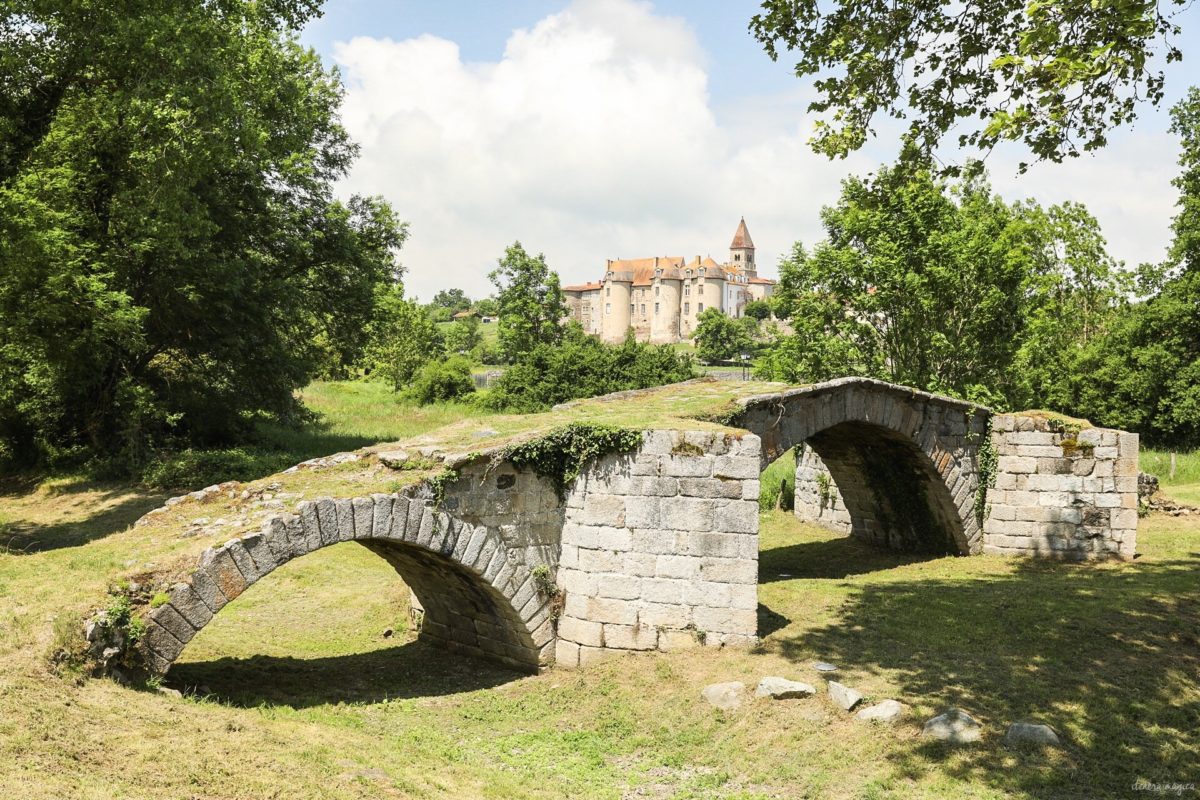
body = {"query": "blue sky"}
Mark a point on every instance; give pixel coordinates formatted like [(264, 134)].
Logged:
[(614, 128)]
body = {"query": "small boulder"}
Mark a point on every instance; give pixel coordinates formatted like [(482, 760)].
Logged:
[(954, 726), (782, 688), (844, 697), (1031, 733), (725, 696), (396, 459), (888, 711)]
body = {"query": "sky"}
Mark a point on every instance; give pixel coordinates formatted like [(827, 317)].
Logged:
[(599, 129)]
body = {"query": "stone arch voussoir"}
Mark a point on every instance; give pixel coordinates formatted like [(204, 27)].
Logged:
[(871, 433), (479, 596)]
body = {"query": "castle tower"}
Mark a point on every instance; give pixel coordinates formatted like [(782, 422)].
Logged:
[(741, 251)]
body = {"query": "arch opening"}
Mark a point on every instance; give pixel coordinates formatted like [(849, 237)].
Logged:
[(331, 627), (478, 589), (892, 492)]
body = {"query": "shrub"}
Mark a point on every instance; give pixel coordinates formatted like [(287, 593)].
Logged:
[(582, 366), (439, 381)]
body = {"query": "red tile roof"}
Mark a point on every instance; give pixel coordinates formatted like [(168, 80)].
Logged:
[(742, 237)]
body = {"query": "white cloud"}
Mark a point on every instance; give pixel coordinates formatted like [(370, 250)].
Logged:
[(594, 137)]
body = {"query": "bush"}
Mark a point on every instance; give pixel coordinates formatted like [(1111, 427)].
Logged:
[(582, 366), (439, 381), (192, 469)]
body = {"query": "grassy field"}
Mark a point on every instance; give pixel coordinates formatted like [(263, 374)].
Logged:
[(297, 691), (1185, 485)]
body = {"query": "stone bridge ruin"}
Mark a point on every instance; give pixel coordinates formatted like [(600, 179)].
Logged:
[(658, 548)]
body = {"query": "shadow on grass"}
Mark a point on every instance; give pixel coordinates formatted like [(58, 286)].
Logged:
[(405, 671), (21, 537), (1108, 655), (832, 558)]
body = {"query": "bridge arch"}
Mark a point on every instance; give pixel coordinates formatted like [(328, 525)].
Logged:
[(474, 575), (905, 462)]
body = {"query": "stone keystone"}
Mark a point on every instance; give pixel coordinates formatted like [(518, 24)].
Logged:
[(782, 688), (1031, 733), (887, 711), (953, 726), (843, 696), (725, 696)]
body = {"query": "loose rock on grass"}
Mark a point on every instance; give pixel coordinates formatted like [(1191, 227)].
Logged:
[(782, 688), (953, 726)]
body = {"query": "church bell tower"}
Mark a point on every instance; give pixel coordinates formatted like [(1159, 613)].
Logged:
[(741, 251)]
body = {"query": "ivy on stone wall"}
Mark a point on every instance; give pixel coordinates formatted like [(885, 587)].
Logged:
[(560, 455)]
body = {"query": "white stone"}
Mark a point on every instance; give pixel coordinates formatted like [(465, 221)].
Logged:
[(725, 696), (843, 696), (954, 726), (1031, 733), (782, 688), (887, 711)]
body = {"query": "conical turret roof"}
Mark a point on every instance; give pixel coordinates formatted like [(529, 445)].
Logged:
[(742, 237)]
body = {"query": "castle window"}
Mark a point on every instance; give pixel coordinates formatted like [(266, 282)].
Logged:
[(700, 289), (687, 290), (687, 308), (700, 308), (737, 256), (632, 308), (643, 309), (608, 291), (656, 309), (608, 309), (657, 291)]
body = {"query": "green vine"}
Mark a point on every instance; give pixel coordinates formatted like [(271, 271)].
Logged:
[(988, 461), (543, 581), (438, 484), (825, 489), (561, 454)]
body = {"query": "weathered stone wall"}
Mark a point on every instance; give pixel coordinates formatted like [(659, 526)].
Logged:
[(1060, 493), (903, 460), (660, 548), (470, 562), (818, 499)]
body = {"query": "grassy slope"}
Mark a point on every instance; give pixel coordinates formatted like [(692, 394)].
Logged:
[(309, 699), (1185, 486)]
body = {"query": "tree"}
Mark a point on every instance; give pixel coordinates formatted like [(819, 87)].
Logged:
[(1075, 290), (1144, 373), (452, 299), (530, 301), (1055, 76), (757, 309), (719, 337), (919, 282), (463, 335), (400, 339), (172, 260), (487, 307)]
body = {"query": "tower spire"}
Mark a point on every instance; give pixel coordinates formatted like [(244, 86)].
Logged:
[(741, 251)]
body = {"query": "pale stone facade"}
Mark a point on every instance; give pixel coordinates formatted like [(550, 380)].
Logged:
[(660, 298)]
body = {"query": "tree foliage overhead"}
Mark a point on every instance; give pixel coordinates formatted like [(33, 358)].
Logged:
[(172, 258), (1053, 75)]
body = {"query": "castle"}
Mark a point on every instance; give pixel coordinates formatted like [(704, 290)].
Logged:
[(661, 297)]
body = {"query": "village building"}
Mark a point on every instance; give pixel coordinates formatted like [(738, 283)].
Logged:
[(661, 297)]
